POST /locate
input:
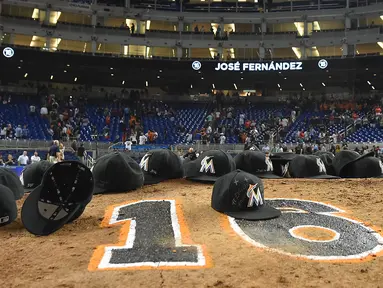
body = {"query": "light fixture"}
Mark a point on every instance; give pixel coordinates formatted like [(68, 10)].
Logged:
[(111, 68), (191, 86), (301, 84), (324, 85), (146, 83), (279, 85), (373, 88), (19, 67), (64, 71), (374, 75), (67, 65), (303, 89), (241, 78), (158, 77), (235, 86), (160, 71), (285, 78), (369, 83), (123, 82), (112, 74), (280, 89), (25, 75), (202, 78), (213, 85), (367, 69), (75, 79), (51, 77)]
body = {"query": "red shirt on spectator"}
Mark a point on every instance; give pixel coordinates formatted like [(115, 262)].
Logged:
[(378, 110), (247, 124), (107, 120), (355, 116)]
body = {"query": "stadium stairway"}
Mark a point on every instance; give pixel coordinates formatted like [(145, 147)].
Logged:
[(366, 134)]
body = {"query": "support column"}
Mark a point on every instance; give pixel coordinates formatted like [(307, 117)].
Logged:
[(48, 43), (47, 16), (127, 4), (263, 26), (1, 6), (138, 26), (190, 52), (94, 20), (11, 38), (180, 26), (347, 23), (261, 52), (347, 3), (253, 28), (305, 28), (303, 52), (344, 50), (94, 46), (179, 53), (220, 51), (1, 36)]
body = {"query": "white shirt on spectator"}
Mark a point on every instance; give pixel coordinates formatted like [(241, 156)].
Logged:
[(222, 139), (128, 145), (143, 139), (35, 159), (32, 109), (44, 111), (23, 160), (133, 138)]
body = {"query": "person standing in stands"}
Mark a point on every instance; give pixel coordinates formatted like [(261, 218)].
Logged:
[(53, 151), (9, 161), (81, 153), (18, 132), (23, 159), (25, 132)]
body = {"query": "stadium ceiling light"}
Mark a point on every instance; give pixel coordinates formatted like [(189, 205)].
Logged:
[(329, 76), (373, 88), (111, 68), (285, 78), (213, 85), (235, 86), (123, 82), (280, 89), (301, 84), (112, 74), (366, 68), (202, 78), (75, 79), (158, 77), (369, 83), (241, 78), (304, 89), (191, 86), (324, 85), (146, 83), (64, 71), (19, 67), (25, 75), (279, 85), (67, 65), (160, 71), (51, 77), (374, 75)]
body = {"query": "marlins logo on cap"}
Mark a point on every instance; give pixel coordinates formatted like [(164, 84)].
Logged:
[(207, 165), (144, 164), (381, 165), (322, 167), (255, 197)]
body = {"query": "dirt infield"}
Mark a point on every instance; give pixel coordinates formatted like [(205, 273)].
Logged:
[(72, 257)]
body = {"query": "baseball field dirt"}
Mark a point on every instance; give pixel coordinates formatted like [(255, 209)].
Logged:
[(167, 235)]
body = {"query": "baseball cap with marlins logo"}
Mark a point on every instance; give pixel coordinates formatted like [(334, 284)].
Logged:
[(8, 208), (241, 195), (209, 166), (308, 166), (256, 163), (160, 165)]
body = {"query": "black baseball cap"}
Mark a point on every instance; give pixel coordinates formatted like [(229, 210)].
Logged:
[(241, 195), (209, 166), (65, 188), (12, 181), (32, 175), (160, 165), (8, 208), (281, 162), (327, 158), (256, 163), (116, 172), (365, 167), (346, 157), (308, 166)]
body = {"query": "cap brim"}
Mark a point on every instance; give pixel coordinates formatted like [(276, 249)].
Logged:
[(203, 178), (34, 222), (268, 176), (264, 212), (99, 190), (150, 179), (324, 177)]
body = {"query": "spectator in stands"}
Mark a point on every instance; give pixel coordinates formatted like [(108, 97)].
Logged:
[(35, 158), (189, 138), (142, 139), (18, 132), (25, 132), (3, 132), (23, 159), (9, 132), (62, 150), (1, 160), (74, 145), (81, 153), (222, 139), (53, 152), (128, 145), (32, 110), (44, 111), (132, 28), (10, 161)]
